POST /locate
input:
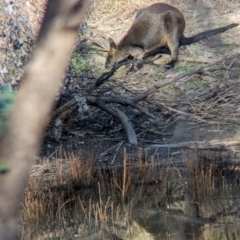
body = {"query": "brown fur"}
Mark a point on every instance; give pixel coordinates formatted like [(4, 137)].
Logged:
[(155, 26)]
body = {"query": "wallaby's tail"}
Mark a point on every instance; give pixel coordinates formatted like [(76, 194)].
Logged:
[(200, 36)]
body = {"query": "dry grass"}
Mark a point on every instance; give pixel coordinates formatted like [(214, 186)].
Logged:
[(75, 196), (108, 9), (210, 172), (203, 176)]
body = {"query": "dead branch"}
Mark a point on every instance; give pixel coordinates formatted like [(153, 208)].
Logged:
[(198, 144), (65, 111), (31, 110), (125, 102), (105, 76), (121, 116)]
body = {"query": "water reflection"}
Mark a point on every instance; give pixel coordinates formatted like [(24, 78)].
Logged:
[(197, 199), (171, 226), (206, 208)]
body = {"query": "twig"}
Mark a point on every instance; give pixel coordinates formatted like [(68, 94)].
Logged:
[(124, 175), (155, 87), (177, 111), (105, 152), (105, 76), (114, 157), (197, 60)]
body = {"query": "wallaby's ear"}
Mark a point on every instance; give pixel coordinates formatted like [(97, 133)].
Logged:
[(113, 45)]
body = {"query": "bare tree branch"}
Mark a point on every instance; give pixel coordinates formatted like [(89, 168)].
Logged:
[(121, 116), (199, 144), (125, 102), (30, 114), (105, 76)]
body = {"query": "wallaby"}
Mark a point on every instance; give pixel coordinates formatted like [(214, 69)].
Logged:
[(155, 26)]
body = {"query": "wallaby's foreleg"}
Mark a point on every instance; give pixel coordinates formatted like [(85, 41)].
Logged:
[(137, 52)]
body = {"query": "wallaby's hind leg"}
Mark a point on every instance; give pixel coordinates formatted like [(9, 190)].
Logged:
[(171, 31), (173, 45)]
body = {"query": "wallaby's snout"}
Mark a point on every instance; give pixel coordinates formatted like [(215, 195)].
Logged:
[(112, 53)]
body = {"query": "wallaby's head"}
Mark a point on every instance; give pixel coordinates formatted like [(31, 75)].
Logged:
[(112, 54)]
